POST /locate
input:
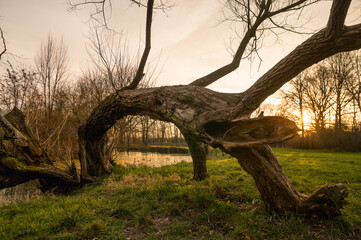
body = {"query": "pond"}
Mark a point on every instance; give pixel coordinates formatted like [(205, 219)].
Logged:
[(150, 159)]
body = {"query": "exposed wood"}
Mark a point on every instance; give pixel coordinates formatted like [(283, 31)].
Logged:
[(184, 106)]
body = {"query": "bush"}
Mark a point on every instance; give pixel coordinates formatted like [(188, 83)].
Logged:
[(342, 141)]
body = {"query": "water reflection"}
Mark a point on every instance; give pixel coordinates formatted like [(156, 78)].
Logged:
[(150, 159)]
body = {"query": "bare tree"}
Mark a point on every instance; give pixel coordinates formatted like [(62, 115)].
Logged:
[(295, 96), (341, 70), (111, 58), (52, 67), (319, 94), (16, 86), (226, 122), (354, 84)]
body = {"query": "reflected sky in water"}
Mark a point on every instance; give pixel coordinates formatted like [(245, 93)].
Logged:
[(150, 159)]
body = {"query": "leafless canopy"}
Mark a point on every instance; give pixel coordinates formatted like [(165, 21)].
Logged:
[(254, 18), (100, 16)]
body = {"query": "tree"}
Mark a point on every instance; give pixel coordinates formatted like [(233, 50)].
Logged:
[(296, 96), (226, 122), (341, 70), (319, 94), (51, 64), (16, 87), (354, 85)]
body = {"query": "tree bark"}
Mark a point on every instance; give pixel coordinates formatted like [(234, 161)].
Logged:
[(276, 190), (185, 106), (201, 124), (199, 153)]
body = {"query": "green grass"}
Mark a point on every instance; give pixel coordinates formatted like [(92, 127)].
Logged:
[(163, 203)]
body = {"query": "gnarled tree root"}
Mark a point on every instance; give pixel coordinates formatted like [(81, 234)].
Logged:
[(326, 201), (277, 191)]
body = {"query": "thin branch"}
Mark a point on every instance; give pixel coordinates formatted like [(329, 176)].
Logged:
[(318, 47), (221, 72), (3, 42), (251, 33), (99, 15), (292, 7), (140, 72)]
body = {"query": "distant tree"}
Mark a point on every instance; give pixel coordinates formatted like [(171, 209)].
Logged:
[(52, 68), (354, 85), (319, 95), (16, 86), (110, 58), (295, 95), (341, 69)]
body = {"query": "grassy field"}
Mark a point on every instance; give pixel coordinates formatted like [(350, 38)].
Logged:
[(163, 203)]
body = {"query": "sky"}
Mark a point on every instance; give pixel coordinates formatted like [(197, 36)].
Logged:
[(187, 42)]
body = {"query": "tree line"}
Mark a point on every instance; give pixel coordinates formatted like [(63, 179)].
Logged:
[(329, 93)]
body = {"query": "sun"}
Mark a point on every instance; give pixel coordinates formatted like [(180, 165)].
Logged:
[(307, 120)]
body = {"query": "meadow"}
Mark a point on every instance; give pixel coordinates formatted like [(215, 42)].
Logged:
[(164, 203)]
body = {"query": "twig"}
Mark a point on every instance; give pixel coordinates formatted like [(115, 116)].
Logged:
[(4, 43)]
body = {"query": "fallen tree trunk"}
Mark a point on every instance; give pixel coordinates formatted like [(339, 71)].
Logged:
[(22, 158)]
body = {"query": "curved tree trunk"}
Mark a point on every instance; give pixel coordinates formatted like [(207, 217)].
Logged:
[(202, 125), (276, 190), (156, 103)]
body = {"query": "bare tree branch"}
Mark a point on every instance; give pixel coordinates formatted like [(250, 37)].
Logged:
[(140, 72), (337, 17), (100, 15), (264, 13), (320, 46), (100, 10), (3, 42), (217, 74)]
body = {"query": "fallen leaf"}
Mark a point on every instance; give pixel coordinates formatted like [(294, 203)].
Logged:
[(245, 234)]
